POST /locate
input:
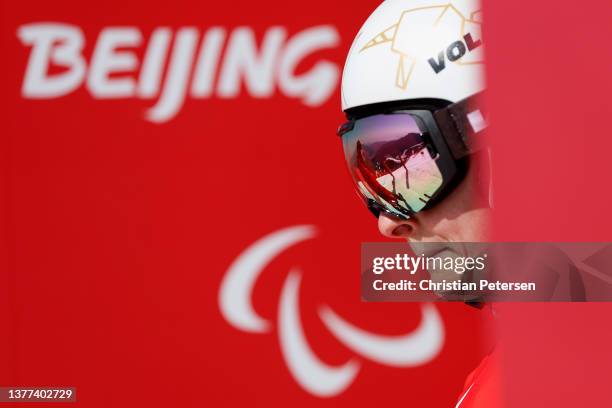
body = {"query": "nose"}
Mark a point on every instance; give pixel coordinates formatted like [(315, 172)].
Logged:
[(393, 227)]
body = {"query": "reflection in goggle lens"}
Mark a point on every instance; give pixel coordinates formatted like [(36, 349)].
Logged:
[(391, 164)]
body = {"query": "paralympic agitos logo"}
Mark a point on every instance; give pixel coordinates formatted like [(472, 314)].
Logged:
[(177, 64), (412, 349)]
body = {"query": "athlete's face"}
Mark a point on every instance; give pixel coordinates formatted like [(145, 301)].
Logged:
[(462, 216)]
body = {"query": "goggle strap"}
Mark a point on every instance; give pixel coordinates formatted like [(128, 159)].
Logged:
[(463, 124)]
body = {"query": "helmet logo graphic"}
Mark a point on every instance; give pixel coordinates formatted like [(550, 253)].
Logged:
[(423, 29)]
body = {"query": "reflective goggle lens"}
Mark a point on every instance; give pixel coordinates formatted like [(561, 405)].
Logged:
[(391, 163)]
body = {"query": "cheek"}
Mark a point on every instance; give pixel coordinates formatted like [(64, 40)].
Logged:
[(471, 226), (435, 225), (447, 229), (467, 226)]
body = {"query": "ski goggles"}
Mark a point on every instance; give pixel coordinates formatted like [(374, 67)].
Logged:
[(403, 161)]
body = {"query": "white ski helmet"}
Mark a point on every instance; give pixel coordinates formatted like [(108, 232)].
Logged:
[(416, 49)]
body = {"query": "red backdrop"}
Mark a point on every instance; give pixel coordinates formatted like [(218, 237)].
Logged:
[(118, 230), (550, 93)]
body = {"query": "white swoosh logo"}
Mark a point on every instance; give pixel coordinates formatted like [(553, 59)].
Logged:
[(314, 375), (415, 348), (237, 285), (311, 373)]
